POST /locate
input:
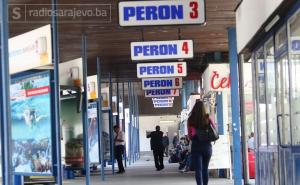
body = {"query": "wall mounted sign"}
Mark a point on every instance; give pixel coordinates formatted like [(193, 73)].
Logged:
[(217, 78), (170, 12), (92, 85), (162, 101), (156, 70), (161, 93), (30, 50), (162, 83), (164, 98), (175, 49), (163, 105)]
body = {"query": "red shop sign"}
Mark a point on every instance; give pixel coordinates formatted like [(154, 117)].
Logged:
[(217, 82)]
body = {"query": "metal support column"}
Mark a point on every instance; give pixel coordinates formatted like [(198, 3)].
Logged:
[(85, 113), (243, 123), (123, 94), (5, 98), (220, 115), (233, 58), (130, 122), (100, 126), (112, 144), (118, 108), (183, 97), (55, 50)]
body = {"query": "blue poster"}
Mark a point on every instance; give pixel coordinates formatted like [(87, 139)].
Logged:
[(93, 135), (31, 124)]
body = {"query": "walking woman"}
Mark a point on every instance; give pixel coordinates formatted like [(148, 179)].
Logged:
[(201, 150)]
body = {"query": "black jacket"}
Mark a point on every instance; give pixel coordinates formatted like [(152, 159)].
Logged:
[(156, 140), (166, 141)]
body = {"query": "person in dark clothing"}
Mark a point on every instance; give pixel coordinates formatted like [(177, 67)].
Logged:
[(119, 148), (166, 144), (201, 150), (157, 147), (175, 141)]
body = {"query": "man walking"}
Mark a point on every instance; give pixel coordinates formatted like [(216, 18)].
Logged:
[(119, 148), (157, 147)]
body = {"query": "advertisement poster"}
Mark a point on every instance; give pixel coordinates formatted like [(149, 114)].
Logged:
[(93, 134), (31, 124)]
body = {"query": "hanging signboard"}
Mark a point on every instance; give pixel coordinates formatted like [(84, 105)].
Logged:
[(162, 101), (163, 98), (162, 83), (156, 70), (31, 124), (217, 78), (161, 93), (155, 50), (170, 12), (93, 135), (30, 50), (163, 105), (92, 85)]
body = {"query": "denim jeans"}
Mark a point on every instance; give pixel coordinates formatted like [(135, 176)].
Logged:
[(200, 159)]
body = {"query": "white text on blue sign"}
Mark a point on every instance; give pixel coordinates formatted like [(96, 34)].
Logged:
[(176, 49), (156, 70), (161, 93), (165, 105), (162, 83), (170, 12)]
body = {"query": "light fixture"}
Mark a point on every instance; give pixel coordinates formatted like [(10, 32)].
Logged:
[(166, 121), (272, 23)]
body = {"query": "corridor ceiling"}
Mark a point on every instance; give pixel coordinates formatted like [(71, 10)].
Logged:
[(111, 42)]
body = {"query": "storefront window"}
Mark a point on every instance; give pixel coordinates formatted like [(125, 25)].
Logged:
[(260, 62), (294, 48), (271, 92)]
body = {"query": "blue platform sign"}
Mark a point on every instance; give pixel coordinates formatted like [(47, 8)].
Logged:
[(156, 70), (163, 105), (170, 12), (162, 101), (162, 83), (161, 93), (155, 50)]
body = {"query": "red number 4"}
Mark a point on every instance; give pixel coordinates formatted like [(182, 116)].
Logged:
[(185, 47), (194, 13)]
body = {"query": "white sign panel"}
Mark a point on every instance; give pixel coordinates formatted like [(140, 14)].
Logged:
[(164, 98), (176, 49), (162, 101), (217, 78), (30, 50), (161, 93), (221, 158), (156, 70), (92, 85), (162, 83), (170, 12), (163, 105)]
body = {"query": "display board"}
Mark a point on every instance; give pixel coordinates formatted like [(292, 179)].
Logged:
[(31, 124), (221, 158), (93, 136), (34, 47)]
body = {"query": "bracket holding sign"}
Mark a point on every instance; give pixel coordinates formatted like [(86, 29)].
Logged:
[(155, 50), (162, 83), (156, 70), (170, 12)]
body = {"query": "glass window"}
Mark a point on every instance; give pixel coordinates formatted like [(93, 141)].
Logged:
[(260, 62), (294, 46), (271, 92), (281, 40)]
